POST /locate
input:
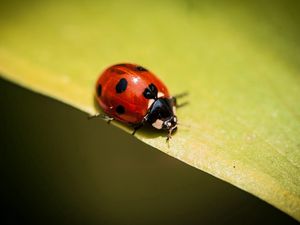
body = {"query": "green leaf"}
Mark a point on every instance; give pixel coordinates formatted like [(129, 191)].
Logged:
[(240, 62)]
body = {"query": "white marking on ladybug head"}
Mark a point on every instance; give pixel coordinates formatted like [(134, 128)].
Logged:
[(175, 119), (150, 102), (160, 94), (158, 124), (169, 124)]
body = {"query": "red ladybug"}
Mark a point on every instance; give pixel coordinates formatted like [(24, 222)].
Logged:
[(131, 94)]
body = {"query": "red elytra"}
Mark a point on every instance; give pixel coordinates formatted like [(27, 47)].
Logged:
[(120, 92)]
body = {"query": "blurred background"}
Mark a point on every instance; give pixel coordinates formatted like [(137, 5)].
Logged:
[(58, 167)]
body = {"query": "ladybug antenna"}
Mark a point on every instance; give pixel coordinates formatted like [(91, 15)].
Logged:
[(169, 136), (170, 133), (183, 94)]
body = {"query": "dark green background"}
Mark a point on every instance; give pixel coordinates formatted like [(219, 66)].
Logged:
[(60, 168)]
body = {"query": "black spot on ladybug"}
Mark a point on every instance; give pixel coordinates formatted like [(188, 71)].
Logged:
[(150, 92), (121, 85), (99, 90), (141, 69), (120, 109)]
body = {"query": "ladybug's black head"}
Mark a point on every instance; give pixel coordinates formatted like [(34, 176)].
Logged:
[(161, 114)]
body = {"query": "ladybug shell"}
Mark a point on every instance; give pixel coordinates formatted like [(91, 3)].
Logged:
[(120, 92)]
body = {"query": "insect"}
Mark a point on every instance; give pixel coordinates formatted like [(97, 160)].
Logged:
[(131, 94)]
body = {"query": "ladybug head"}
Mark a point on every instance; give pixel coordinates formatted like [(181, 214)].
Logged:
[(161, 115)]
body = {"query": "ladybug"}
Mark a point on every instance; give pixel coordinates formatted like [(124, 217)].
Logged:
[(131, 94)]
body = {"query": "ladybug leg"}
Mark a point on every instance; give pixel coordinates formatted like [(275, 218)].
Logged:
[(139, 125), (107, 118), (136, 127), (169, 136), (93, 116), (175, 97), (181, 95), (181, 105)]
